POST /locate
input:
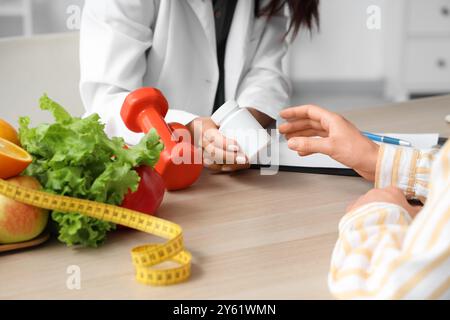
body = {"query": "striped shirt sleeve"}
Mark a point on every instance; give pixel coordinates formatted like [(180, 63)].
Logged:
[(404, 168), (382, 253)]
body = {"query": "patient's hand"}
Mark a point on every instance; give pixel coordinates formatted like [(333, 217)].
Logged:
[(219, 152), (390, 195), (311, 129)]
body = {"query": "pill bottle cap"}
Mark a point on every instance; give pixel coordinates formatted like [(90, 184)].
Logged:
[(224, 111)]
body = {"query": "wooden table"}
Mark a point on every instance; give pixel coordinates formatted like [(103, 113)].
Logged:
[(252, 236)]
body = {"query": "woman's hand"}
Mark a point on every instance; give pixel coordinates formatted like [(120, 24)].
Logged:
[(219, 152), (390, 195), (340, 139)]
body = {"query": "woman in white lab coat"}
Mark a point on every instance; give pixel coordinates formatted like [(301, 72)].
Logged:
[(199, 53)]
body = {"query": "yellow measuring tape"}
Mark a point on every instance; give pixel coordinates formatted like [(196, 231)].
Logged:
[(146, 257)]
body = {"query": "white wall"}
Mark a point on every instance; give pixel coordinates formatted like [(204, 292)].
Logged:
[(33, 66), (344, 49), (49, 16)]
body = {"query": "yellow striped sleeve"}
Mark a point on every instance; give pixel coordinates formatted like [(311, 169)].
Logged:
[(404, 168), (382, 254), (369, 237)]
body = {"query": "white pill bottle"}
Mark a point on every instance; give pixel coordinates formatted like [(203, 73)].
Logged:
[(238, 124)]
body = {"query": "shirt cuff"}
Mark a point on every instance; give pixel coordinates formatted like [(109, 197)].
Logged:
[(404, 168)]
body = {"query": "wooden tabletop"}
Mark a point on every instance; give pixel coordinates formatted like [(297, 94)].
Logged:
[(252, 236)]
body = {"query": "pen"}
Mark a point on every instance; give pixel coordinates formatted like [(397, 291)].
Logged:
[(385, 139)]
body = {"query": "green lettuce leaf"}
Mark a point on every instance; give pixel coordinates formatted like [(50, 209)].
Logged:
[(74, 157)]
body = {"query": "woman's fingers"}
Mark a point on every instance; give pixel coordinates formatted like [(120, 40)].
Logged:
[(222, 150), (306, 145), (234, 167), (210, 164), (307, 133), (227, 167), (219, 153), (214, 166), (298, 125), (305, 112), (220, 141), (310, 112), (221, 156)]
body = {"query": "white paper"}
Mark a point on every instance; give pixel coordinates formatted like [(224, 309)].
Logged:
[(419, 141), (287, 157)]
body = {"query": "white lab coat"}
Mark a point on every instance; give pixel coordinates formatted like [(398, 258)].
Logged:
[(171, 45)]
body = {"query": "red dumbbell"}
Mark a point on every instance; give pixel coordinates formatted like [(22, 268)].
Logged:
[(145, 109)]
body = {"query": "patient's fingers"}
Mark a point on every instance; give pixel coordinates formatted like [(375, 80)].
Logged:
[(306, 112), (298, 125), (306, 146), (307, 133), (350, 206)]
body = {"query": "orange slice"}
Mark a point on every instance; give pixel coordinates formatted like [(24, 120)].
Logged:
[(8, 132), (13, 159)]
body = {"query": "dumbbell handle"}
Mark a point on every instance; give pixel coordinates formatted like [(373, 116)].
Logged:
[(150, 118)]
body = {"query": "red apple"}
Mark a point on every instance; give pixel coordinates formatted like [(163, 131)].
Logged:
[(21, 222)]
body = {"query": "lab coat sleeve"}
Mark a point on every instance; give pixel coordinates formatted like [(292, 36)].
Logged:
[(265, 86), (180, 116), (114, 38)]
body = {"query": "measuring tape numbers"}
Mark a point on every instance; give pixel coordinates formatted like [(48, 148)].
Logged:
[(144, 257)]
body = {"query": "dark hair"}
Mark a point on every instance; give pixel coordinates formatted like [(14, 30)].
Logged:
[(304, 13)]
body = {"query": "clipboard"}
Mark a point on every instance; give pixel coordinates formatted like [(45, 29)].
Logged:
[(326, 171)]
